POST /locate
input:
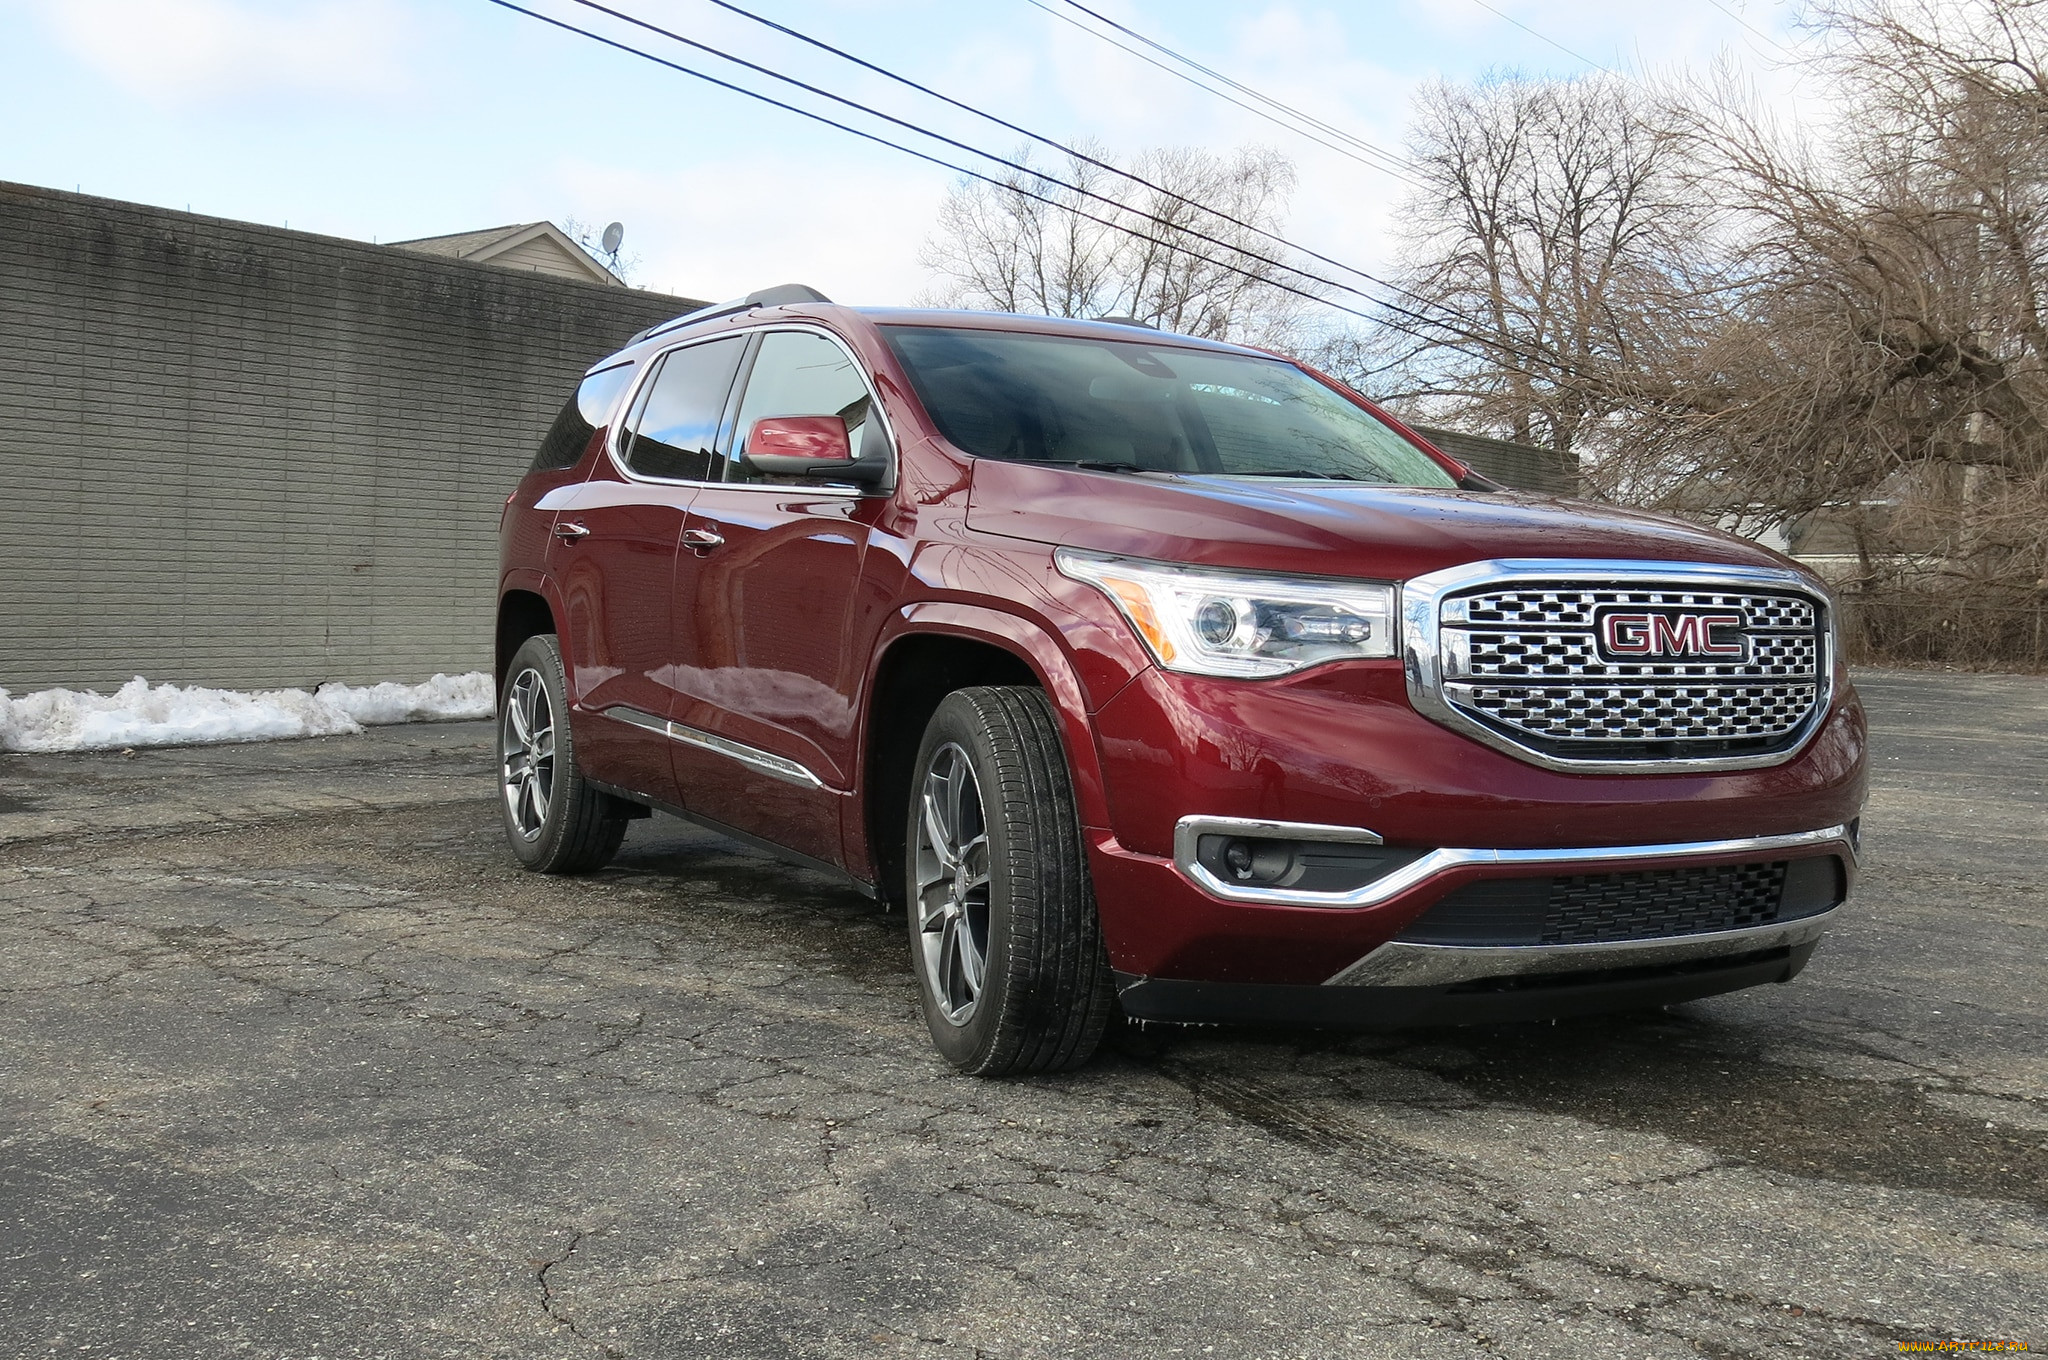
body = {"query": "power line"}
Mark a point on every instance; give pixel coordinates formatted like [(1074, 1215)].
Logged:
[(1494, 343), (1075, 152), (979, 113), (1395, 160), (978, 175), (1752, 28), (1048, 177), (1541, 37), (1456, 326), (1384, 161)]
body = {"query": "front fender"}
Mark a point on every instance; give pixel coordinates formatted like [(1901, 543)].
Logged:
[(1048, 660)]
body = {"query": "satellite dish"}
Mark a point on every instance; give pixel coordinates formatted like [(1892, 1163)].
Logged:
[(613, 235)]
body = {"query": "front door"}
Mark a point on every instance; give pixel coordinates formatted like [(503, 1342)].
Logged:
[(768, 678), (615, 556)]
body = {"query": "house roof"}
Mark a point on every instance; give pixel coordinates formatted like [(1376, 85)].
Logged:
[(540, 246)]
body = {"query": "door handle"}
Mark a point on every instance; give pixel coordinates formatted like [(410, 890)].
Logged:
[(569, 532), (703, 540)]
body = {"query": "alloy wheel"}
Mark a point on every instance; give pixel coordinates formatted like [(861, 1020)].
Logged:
[(526, 746), (953, 883)]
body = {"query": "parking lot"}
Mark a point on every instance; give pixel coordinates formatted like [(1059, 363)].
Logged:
[(297, 1064)]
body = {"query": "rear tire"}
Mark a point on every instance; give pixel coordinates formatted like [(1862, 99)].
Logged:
[(555, 822), (1003, 932)]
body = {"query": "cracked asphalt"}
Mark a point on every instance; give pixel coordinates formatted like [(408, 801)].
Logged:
[(295, 1063)]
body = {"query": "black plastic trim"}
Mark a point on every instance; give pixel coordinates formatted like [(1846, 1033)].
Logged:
[(1488, 1001), (751, 841)]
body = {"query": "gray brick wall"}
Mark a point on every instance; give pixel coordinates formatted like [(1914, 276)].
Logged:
[(1521, 466), (243, 456)]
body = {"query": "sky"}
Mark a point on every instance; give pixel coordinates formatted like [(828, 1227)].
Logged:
[(388, 119)]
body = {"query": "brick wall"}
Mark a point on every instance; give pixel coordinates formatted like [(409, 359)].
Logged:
[(243, 456), (1521, 466)]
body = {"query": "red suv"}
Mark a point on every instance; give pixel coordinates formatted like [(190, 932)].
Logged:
[(1164, 674)]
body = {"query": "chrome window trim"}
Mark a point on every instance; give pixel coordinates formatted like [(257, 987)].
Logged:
[(1439, 862), (650, 363), (754, 758), (1421, 629), (1397, 963)]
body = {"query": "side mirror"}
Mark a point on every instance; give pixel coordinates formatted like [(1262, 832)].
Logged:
[(815, 446)]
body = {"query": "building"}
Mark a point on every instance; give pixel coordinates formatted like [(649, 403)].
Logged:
[(540, 247), (244, 456)]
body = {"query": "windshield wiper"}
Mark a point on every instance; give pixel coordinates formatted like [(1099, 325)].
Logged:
[(1303, 472), (1103, 465)]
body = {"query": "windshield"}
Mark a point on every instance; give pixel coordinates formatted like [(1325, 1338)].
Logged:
[(1130, 405)]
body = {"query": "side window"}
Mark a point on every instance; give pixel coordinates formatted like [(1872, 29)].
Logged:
[(582, 416), (672, 431), (800, 373)]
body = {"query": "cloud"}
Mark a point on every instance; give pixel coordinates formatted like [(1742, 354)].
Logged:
[(198, 50), (726, 227)]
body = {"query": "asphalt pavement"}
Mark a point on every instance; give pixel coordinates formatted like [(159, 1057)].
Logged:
[(294, 1062)]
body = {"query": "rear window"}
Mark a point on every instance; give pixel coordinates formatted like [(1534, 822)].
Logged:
[(582, 416), (1156, 408)]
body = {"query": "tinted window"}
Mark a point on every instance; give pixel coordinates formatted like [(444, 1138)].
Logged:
[(583, 415), (1061, 399), (673, 429), (799, 373)]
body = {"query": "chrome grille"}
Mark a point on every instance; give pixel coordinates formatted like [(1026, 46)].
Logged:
[(1572, 656), (1576, 606), (1640, 713), (1522, 662)]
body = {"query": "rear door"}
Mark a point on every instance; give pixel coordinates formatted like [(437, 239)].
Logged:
[(768, 679), (615, 559)]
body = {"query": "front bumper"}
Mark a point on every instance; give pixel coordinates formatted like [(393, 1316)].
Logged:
[(1412, 982), (1340, 751), (1179, 924)]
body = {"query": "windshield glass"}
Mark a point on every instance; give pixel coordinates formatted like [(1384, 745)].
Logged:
[(1127, 404)]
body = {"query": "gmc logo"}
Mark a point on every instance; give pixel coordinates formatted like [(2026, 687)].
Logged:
[(1662, 634)]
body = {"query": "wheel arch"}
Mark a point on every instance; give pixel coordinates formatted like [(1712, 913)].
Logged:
[(935, 650), (523, 612)]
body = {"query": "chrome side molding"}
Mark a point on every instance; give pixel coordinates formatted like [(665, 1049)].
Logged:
[(1398, 963), (762, 762), (1438, 862)]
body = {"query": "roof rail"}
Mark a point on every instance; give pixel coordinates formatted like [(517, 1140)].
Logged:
[(781, 295), (1120, 320)]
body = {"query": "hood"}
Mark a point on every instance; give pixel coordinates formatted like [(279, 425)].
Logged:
[(1322, 528)]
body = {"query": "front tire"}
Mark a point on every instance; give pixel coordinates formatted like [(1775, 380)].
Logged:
[(555, 822), (1003, 933)]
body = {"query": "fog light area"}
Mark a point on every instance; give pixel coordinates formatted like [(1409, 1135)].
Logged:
[(1298, 865)]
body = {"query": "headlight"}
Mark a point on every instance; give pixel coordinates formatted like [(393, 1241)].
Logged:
[(1231, 623)]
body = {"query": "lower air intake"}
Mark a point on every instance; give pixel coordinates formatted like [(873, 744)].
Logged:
[(1647, 904)]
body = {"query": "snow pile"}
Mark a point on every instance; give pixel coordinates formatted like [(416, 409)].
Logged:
[(168, 715), (445, 698)]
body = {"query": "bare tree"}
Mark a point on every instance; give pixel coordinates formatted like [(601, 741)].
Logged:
[(1550, 252), (1883, 364), (1752, 324), (1044, 243)]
